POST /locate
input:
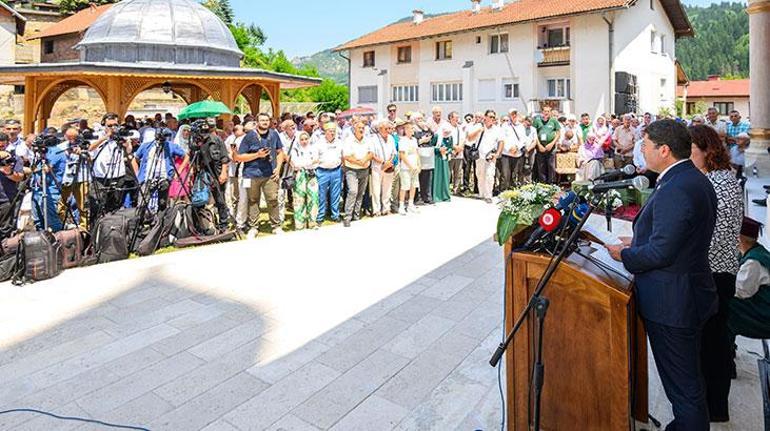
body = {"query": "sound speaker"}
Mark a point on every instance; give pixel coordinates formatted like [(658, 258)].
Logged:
[(625, 83), (625, 103)]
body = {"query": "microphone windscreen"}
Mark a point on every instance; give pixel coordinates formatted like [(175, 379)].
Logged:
[(550, 219), (641, 183), (629, 170)]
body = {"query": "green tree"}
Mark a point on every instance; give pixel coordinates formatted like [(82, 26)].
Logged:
[(331, 95), (72, 6), (221, 8)]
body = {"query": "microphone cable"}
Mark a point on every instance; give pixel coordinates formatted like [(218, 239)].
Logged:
[(75, 419)]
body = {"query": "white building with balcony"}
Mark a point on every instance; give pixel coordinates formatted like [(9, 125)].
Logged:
[(524, 54)]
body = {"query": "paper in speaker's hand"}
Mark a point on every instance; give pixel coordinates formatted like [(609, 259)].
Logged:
[(603, 235)]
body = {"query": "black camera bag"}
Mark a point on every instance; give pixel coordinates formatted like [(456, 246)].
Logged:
[(42, 256)]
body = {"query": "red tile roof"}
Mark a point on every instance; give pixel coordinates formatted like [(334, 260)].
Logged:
[(514, 12), (74, 23), (716, 88)]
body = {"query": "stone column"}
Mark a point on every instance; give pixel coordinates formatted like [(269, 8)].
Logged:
[(759, 59)]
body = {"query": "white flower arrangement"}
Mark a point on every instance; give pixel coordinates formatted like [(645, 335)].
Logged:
[(520, 207)]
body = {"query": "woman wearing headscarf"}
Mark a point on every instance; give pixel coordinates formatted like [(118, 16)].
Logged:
[(177, 191), (590, 159), (602, 132)]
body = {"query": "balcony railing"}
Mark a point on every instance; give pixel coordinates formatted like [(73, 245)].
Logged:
[(24, 54), (558, 56)]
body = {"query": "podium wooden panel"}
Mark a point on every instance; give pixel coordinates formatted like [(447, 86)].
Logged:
[(594, 348)]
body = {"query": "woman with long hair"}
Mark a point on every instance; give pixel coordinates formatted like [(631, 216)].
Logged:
[(710, 156)]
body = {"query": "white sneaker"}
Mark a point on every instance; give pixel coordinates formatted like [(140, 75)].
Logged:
[(402, 210), (252, 234), (413, 209)]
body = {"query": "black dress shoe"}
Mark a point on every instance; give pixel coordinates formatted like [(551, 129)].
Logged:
[(760, 202), (766, 186)]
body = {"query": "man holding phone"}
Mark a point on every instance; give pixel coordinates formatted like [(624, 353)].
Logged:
[(261, 153)]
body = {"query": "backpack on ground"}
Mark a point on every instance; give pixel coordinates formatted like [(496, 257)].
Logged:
[(72, 245), (42, 257), (111, 236)]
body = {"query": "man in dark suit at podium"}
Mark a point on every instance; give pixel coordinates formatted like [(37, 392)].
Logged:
[(668, 255)]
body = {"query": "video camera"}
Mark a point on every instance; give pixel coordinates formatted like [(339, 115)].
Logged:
[(200, 131), (42, 143), (8, 161)]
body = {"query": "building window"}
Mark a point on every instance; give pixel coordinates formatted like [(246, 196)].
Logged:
[(559, 88), (48, 47), (487, 90), (690, 109), (510, 90), (498, 43), (18, 89), (404, 54), (724, 108), (556, 37), (444, 50), (369, 59), (653, 42), (367, 94), (446, 92), (652, 4), (406, 93), (662, 44)]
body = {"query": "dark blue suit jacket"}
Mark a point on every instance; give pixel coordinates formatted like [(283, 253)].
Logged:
[(669, 253)]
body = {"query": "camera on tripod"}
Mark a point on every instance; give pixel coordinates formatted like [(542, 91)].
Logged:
[(42, 143), (200, 130)]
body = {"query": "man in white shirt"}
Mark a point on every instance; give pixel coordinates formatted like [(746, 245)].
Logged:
[(713, 120), (749, 315), (357, 155), (383, 167), (472, 134), (436, 121), (490, 145), (512, 158), (109, 167), (329, 174), (16, 144)]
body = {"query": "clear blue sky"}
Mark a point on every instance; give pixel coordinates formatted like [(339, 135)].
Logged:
[(307, 26)]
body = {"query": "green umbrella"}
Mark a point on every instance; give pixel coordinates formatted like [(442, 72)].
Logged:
[(204, 109)]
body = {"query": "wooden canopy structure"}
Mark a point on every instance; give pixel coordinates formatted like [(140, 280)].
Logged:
[(118, 84)]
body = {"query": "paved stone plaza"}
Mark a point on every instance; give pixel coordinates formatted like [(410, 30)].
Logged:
[(386, 325)]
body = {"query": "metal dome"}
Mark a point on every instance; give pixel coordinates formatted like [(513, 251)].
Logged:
[(160, 31)]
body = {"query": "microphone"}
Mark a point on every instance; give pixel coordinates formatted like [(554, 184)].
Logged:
[(551, 219), (617, 174), (639, 183)]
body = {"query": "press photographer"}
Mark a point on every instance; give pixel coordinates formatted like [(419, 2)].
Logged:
[(109, 166), (48, 166), (11, 173), (77, 174), (210, 158), (155, 168)]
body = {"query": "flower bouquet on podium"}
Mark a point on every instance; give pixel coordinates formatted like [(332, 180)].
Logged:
[(520, 207)]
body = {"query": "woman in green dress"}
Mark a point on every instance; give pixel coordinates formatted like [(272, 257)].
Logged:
[(441, 171)]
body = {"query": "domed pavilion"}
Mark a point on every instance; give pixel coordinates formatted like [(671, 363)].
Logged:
[(136, 45)]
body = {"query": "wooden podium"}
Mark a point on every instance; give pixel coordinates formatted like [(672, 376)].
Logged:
[(594, 348)]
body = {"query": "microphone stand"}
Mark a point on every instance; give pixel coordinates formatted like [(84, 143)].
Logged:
[(608, 213), (540, 304)]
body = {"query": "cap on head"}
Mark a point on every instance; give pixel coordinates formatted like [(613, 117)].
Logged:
[(751, 228)]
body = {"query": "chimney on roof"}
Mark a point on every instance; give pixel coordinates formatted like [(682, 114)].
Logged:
[(498, 4), (713, 78), (476, 6), (418, 16)]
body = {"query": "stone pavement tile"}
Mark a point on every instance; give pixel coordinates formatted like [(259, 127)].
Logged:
[(201, 379), (342, 395), (447, 287), (487, 414), (195, 317), (239, 312), (414, 309), (231, 339), (45, 358), (291, 423), (206, 408), (358, 346), (112, 396), (65, 333), (272, 370), (133, 322), (87, 360), (374, 414), (383, 307), (279, 399), (457, 307), (193, 336), (136, 296), (135, 361), (418, 286), (340, 332), (446, 406), (419, 336), (220, 425), (481, 321), (140, 411), (416, 381)]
